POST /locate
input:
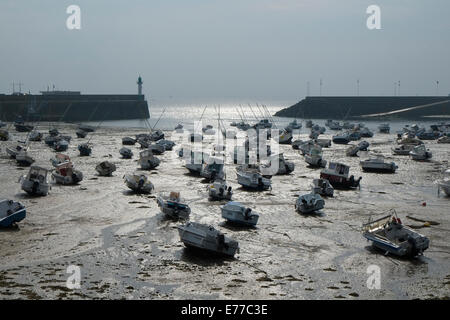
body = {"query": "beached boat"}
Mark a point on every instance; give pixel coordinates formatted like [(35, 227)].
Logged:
[(167, 144), (322, 187), (314, 157), (308, 124), (403, 150), (309, 203), (295, 125), (341, 138), (250, 177), (336, 126), (420, 153), (12, 152), (444, 183), (208, 130), (377, 164), (105, 168), (126, 153), (61, 145), (363, 145), (444, 139), (35, 182), (4, 135), (65, 174), (411, 141), (218, 190), (390, 235), (276, 165), (35, 136), (324, 143), (384, 128), (235, 212), (138, 183), (128, 141), (306, 146), (24, 159), (59, 158), (338, 176), (11, 212), (207, 238), (86, 128), (195, 162), (156, 135), (297, 143), (352, 151), (85, 149), (81, 134), (147, 160), (366, 133), (53, 132), (213, 169), (173, 205), (22, 127), (285, 136)]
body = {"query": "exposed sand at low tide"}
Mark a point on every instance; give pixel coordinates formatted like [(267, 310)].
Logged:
[(127, 249)]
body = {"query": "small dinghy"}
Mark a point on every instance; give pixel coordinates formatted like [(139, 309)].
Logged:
[(126, 153), (138, 183), (213, 169), (105, 168), (35, 136), (81, 134), (363, 145), (352, 151), (204, 237), (235, 212), (314, 157), (419, 153), (85, 149), (390, 235), (127, 141), (24, 159), (403, 150), (250, 177), (322, 187), (58, 159), (341, 138), (4, 135), (65, 174), (11, 212), (338, 176), (35, 182), (195, 162), (384, 128), (444, 183), (173, 205), (167, 144), (219, 190), (377, 164), (61, 145), (309, 203), (277, 165), (147, 160)]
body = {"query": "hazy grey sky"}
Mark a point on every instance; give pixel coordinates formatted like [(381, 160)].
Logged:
[(252, 49)]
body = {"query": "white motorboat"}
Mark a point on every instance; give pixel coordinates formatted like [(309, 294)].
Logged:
[(173, 205), (338, 176), (65, 174), (24, 159), (314, 157), (213, 169), (352, 151), (250, 177), (147, 160), (219, 190), (194, 162), (276, 165), (138, 183), (35, 182), (126, 153), (403, 149), (420, 153), (105, 168)]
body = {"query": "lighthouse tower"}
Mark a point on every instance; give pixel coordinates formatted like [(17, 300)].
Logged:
[(139, 83)]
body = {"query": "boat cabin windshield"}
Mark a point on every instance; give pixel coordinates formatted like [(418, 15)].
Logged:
[(339, 168)]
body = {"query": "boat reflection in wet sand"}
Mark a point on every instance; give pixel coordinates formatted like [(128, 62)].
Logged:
[(204, 237)]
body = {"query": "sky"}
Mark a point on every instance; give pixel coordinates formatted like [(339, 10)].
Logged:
[(227, 49)]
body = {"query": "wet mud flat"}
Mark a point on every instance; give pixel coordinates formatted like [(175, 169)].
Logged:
[(127, 249)]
